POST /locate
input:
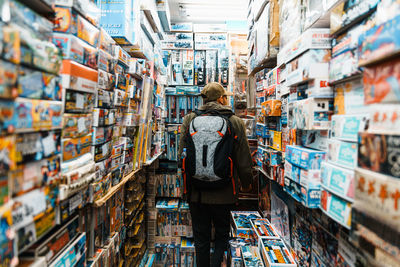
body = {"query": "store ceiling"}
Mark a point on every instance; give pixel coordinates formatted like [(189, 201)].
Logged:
[(208, 11)]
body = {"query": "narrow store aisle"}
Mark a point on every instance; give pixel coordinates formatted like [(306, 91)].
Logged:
[(115, 115)]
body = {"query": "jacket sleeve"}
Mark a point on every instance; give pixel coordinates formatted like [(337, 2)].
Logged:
[(184, 130), (242, 155)]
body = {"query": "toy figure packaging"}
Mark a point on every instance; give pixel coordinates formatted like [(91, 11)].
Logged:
[(308, 194), (384, 118), (275, 253), (76, 147), (271, 108), (37, 146), (211, 66), (8, 76), (241, 223), (104, 99), (349, 98), (305, 158), (377, 195), (338, 180), (78, 77), (315, 139), (343, 153), (379, 153), (313, 114), (336, 208), (102, 152), (106, 81), (263, 228), (251, 256), (187, 66), (302, 241), (75, 125), (346, 127), (103, 117), (223, 66), (280, 217), (77, 102)]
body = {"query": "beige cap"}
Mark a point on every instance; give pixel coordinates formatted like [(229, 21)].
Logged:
[(213, 91)]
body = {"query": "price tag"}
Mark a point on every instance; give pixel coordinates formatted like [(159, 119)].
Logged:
[(49, 145), (81, 125), (79, 101)]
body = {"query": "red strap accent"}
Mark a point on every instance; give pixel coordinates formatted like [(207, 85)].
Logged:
[(233, 180), (221, 134), (184, 175), (235, 136), (193, 133)]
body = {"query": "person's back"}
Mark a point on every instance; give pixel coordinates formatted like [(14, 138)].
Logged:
[(212, 203)]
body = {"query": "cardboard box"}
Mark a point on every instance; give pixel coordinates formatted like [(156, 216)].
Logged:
[(275, 140), (336, 208), (343, 153), (75, 147), (241, 223), (384, 118), (275, 253), (307, 194), (106, 42), (104, 99), (105, 80), (105, 61), (377, 195), (338, 180), (305, 158), (103, 117), (103, 151), (78, 77), (75, 125), (349, 98), (313, 114), (75, 49), (263, 228), (8, 75), (300, 175), (346, 127), (315, 139), (272, 108), (79, 102), (379, 152), (102, 135), (36, 146)]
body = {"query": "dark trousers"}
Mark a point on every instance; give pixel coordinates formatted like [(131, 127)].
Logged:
[(203, 216)]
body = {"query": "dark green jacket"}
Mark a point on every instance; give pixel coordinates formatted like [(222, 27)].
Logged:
[(241, 159)]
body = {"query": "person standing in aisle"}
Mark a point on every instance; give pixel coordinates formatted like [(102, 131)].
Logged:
[(214, 155)]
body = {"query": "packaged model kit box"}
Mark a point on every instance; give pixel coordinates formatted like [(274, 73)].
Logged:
[(105, 80), (346, 127), (337, 208), (338, 180), (315, 139), (102, 151), (75, 125), (78, 102), (313, 114), (307, 193), (102, 135), (241, 223), (349, 98), (275, 253), (103, 117), (377, 195), (263, 228), (342, 153), (275, 140), (379, 153), (8, 75), (37, 145), (272, 108), (76, 147), (78, 77), (305, 158), (385, 117), (300, 175)]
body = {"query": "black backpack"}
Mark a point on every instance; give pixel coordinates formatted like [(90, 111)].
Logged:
[(208, 162)]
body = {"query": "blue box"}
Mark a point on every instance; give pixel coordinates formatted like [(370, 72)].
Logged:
[(308, 195), (305, 158), (343, 153)]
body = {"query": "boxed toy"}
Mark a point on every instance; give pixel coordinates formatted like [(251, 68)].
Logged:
[(336, 208), (313, 114), (346, 127), (349, 98), (120, 98), (187, 67), (384, 118), (104, 99), (263, 228), (379, 42), (105, 80), (75, 125), (301, 176), (102, 152), (78, 77), (8, 76), (272, 157), (307, 193), (319, 88), (379, 152), (106, 43), (275, 253), (338, 180), (103, 117), (381, 83), (311, 65), (73, 254), (76, 147), (105, 61), (272, 108), (102, 135), (30, 114), (251, 256), (37, 146), (305, 158), (315, 139), (75, 49), (122, 56), (211, 66), (343, 153), (241, 223), (275, 140), (68, 21), (377, 195), (302, 239), (34, 84), (77, 102)]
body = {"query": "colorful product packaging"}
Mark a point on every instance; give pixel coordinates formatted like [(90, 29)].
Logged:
[(102, 135), (338, 180), (343, 153), (336, 208), (305, 158), (106, 42), (346, 127), (76, 147), (275, 253), (263, 228), (272, 108), (78, 77), (377, 195), (307, 194), (313, 114), (105, 61), (384, 118), (8, 75), (315, 139), (241, 223), (37, 145), (76, 125), (104, 99), (379, 153), (7, 163), (343, 66), (106, 81), (102, 152), (275, 140), (349, 98), (381, 83), (78, 102)]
